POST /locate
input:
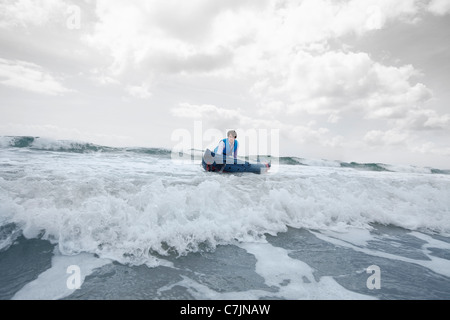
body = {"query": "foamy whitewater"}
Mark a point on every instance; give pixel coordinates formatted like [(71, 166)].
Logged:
[(140, 225)]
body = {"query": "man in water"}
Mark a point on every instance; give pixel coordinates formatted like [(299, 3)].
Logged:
[(229, 146)]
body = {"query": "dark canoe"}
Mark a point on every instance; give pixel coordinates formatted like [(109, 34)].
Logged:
[(219, 163)]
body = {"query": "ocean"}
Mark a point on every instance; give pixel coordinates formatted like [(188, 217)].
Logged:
[(79, 221)]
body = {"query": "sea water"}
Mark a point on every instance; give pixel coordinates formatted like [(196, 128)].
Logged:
[(137, 225)]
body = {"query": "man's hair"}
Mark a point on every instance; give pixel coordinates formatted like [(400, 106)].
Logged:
[(233, 133)]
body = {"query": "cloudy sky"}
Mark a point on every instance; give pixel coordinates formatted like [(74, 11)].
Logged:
[(350, 80)]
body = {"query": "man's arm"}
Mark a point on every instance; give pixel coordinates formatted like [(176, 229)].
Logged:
[(220, 148)]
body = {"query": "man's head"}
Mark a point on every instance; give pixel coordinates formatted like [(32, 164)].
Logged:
[(231, 135)]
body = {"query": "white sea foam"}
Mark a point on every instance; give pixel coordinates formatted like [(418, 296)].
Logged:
[(125, 206), (52, 284), (355, 236), (293, 278), (287, 278), (436, 264)]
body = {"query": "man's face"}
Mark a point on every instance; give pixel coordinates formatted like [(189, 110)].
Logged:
[(231, 138)]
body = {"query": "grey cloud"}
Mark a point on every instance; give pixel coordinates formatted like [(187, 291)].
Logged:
[(29, 76), (192, 21)]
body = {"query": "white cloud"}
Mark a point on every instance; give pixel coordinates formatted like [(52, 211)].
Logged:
[(431, 148), (161, 37), (439, 7), (174, 62), (411, 134), (238, 39), (187, 110), (404, 146), (382, 138), (31, 77), (221, 118), (290, 25), (30, 13), (200, 35), (191, 21), (140, 92), (424, 119), (215, 117), (335, 83)]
